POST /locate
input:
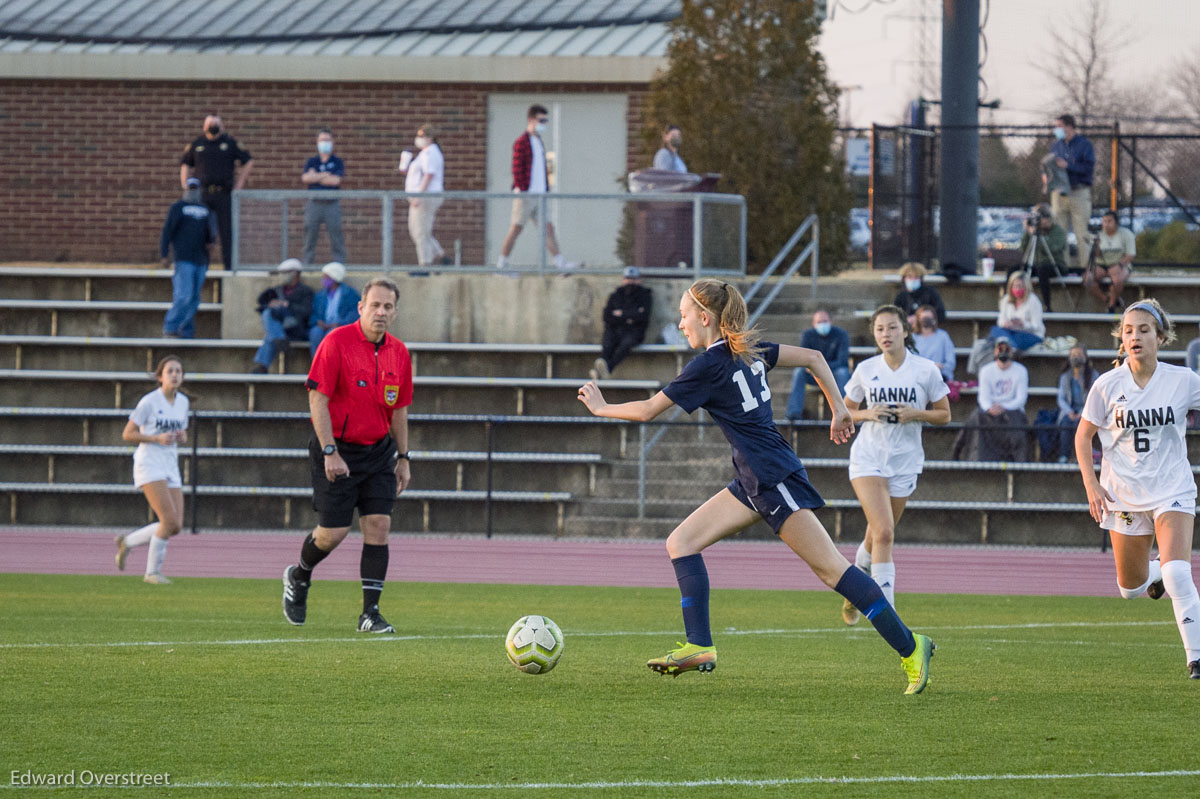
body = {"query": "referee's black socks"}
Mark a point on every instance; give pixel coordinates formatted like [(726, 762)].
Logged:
[(310, 556), (373, 569)]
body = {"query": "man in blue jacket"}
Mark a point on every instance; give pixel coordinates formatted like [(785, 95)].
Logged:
[(831, 341), (336, 304), (189, 229), (1073, 207)]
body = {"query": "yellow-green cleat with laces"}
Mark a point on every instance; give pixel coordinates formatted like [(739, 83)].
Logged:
[(688, 657), (916, 665)]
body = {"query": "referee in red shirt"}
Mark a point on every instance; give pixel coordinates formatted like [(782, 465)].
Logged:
[(359, 389)]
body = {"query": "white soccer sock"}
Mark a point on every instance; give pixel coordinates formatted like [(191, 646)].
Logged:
[(1155, 571), (141, 536), (862, 558), (1177, 577), (158, 551), (885, 575)]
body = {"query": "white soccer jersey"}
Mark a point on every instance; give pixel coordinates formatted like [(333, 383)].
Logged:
[(154, 415), (896, 448), (1142, 432)]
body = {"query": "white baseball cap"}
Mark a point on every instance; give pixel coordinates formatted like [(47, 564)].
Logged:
[(290, 265), (334, 270)]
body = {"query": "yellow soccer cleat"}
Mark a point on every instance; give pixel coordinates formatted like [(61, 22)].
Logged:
[(688, 657), (916, 665), (850, 614)]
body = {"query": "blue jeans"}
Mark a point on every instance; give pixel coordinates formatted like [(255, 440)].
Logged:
[(802, 378), (273, 320), (186, 285), (1020, 339), (315, 336), (1066, 436)]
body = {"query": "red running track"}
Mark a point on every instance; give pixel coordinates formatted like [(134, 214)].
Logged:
[(530, 561)]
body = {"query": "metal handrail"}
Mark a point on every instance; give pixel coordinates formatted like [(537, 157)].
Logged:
[(388, 202)]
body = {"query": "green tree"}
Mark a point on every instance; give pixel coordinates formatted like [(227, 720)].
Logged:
[(748, 87)]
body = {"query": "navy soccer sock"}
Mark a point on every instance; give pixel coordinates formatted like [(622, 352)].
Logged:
[(693, 590), (310, 556), (373, 569), (864, 594)]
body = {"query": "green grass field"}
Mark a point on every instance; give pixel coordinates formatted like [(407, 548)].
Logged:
[(204, 680)]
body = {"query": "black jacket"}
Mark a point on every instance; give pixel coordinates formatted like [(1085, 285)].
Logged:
[(300, 300), (634, 302)]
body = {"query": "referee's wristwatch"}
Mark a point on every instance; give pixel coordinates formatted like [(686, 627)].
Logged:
[(330, 449), (403, 456)]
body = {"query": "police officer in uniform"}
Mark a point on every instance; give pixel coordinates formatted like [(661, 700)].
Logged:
[(212, 159), (359, 389)]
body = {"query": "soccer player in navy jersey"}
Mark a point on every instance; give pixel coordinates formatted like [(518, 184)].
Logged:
[(729, 380)]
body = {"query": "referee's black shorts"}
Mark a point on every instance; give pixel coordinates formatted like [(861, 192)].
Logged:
[(370, 486)]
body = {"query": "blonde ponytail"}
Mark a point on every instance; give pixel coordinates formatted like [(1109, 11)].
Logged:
[(724, 303)]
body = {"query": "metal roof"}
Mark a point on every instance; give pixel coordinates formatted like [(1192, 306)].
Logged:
[(221, 24)]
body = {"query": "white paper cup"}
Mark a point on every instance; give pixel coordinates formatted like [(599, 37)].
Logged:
[(989, 266), (405, 159)]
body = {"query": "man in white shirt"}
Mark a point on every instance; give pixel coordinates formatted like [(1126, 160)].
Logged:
[(1000, 418), (667, 158), (1113, 249)]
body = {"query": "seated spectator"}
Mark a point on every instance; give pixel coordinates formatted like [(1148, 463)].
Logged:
[(916, 293), (1048, 256), (933, 342), (1111, 262), (832, 342), (1076, 380), (1192, 357), (1020, 318), (336, 304), (285, 310), (998, 429), (626, 315)]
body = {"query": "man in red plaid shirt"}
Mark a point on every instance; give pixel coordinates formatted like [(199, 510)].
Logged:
[(530, 177)]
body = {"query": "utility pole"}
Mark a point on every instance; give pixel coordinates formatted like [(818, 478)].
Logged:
[(959, 189)]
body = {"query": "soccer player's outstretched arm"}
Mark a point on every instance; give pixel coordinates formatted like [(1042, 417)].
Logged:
[(841, 426), (636, 411)]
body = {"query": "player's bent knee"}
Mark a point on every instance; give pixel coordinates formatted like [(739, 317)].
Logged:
[(1132, 593)]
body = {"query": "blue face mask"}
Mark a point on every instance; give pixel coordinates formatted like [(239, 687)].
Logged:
[(823, 328), (1059, 133), (324, 147), (912, 285)]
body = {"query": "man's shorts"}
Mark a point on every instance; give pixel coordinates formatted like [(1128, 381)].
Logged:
[(155, 465), (1141, 522), (370, 486), (524, 208), (900, 486), (776, 503)]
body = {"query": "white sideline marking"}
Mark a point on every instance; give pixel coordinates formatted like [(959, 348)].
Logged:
[(579, 634), (716, 782)]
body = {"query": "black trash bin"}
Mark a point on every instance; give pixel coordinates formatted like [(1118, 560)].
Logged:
[(662, 232)]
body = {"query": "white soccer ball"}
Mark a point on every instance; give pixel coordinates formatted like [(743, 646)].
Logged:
[(534, 644)]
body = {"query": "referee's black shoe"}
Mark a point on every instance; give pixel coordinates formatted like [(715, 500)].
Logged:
[(372, 622), (295, 598)]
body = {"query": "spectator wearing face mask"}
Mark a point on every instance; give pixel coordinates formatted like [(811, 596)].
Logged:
[(1073, 385), (933, 342), (831, 341), (425, 173), (323, 174), (916, 293), (213, 159), (998, 429), (336, 304), (1020, 319), (667, 157)]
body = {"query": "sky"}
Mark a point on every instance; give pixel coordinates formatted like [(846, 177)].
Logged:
[(877, 50)]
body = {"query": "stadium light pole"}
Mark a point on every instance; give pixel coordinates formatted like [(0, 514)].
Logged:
[(959, 173)]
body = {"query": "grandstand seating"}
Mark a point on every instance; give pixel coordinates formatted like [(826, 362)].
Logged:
[(76, 347)]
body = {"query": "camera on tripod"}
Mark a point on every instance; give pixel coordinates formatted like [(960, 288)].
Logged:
[(1034, 219)]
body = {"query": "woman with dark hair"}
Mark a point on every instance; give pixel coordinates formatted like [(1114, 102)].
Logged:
[(1074, 383)]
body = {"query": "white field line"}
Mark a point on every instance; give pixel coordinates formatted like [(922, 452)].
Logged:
[(703, 783), (570, 633)]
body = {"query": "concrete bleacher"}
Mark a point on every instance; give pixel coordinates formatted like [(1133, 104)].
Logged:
[(69, 380)]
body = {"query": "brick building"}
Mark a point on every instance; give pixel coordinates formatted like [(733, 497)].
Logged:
[(96, 108)]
